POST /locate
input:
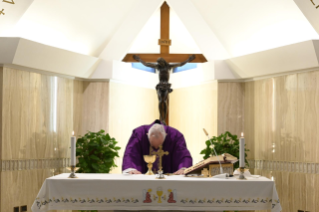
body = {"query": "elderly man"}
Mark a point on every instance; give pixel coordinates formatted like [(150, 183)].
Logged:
[(150, 137)]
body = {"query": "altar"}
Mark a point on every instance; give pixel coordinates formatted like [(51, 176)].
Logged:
[(142, 192)]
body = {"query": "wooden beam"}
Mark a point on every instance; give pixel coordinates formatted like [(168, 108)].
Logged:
[(164, 26), (170, 58)]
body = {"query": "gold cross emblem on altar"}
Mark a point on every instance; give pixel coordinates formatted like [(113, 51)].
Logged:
[(160, 153)]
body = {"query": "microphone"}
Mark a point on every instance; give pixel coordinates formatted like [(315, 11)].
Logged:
[(221, 168)]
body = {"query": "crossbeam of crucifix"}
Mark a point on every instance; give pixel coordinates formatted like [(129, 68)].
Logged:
[(164, 43)]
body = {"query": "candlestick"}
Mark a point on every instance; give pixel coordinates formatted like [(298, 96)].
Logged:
[(242, 151), (73, 150), (242, 174), (73, 170)]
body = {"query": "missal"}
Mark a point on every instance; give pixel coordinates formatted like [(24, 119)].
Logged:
[(224, 159)]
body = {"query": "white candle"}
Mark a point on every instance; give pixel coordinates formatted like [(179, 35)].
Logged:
[(73, 149), (242, 151)]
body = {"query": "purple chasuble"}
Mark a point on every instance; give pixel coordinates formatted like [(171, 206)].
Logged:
[(139, 145)]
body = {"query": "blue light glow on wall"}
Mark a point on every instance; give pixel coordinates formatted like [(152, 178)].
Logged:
[(140, 66), (186, 67)]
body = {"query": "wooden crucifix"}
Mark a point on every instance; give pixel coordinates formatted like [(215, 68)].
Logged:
[(162, 61)]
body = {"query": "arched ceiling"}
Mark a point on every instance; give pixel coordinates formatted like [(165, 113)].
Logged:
[(249, 26), (77, 25), (86, 27), (106, 30)]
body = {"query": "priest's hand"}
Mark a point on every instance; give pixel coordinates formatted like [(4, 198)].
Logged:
[(135, 172), (180, 172)]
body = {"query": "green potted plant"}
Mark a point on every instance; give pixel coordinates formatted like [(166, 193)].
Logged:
[(224, 143), (96, 152)]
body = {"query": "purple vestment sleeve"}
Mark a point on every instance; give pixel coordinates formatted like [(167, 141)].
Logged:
[(132, 156), (183, 157)]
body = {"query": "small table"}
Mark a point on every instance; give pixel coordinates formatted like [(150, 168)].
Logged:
[(144, 192)]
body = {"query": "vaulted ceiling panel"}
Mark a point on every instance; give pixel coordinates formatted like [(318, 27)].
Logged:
[(11, 12), (311, 10), (294, 57), (80, 26), (249, 26)]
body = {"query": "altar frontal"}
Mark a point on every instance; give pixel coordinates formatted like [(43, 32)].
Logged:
[(143, 192)]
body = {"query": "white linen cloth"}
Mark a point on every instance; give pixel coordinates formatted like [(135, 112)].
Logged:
[(144, 192)]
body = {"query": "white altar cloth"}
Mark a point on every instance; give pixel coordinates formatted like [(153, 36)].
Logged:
[(144, 192)]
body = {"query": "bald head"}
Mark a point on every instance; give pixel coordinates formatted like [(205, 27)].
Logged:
[(156, 135)]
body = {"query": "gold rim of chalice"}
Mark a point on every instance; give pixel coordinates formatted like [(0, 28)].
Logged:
[(149, 158), (246, 169), (75, 168)]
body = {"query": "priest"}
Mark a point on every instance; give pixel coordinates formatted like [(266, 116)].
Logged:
[(148, 138)]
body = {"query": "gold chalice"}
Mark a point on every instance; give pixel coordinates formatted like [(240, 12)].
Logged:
[(149, 159)]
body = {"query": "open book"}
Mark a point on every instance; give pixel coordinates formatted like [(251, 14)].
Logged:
[(224, 158)]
